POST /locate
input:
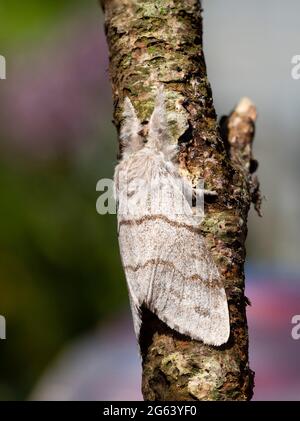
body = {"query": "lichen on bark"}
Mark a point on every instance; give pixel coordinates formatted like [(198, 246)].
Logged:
[(160, 42)]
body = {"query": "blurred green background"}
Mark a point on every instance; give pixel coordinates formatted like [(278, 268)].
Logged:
[(59, 263)]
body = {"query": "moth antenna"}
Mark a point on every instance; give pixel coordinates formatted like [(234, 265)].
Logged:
[(131, 140), (158, 137)]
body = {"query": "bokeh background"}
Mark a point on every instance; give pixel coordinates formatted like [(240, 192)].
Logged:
[(62, 289)]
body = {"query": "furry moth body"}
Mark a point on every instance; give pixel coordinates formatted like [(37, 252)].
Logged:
[(167, 265)]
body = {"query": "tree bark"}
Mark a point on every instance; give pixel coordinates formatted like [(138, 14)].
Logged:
[(153, 42)]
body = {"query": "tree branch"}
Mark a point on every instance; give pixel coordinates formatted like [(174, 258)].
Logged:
[(160, 42)]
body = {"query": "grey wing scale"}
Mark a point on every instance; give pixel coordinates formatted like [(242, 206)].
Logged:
[(169, 270)]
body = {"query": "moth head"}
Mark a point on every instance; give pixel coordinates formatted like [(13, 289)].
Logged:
[(156, 132)]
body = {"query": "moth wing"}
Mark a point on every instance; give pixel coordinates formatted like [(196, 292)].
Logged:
[(129, 240), (169, 270), (186, 288), (168, 266)]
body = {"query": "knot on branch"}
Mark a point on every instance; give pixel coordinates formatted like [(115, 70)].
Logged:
[(238, 130)]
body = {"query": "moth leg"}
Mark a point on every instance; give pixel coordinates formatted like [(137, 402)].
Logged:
[(199, 192), (202, 196), (210, 193)]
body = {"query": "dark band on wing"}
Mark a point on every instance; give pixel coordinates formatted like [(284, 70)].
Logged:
[(215, 283), (164, 218)]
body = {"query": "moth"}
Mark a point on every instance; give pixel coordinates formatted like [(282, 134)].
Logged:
[(168, 267)]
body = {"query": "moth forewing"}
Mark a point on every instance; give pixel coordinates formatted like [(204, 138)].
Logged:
[(168, 267)]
